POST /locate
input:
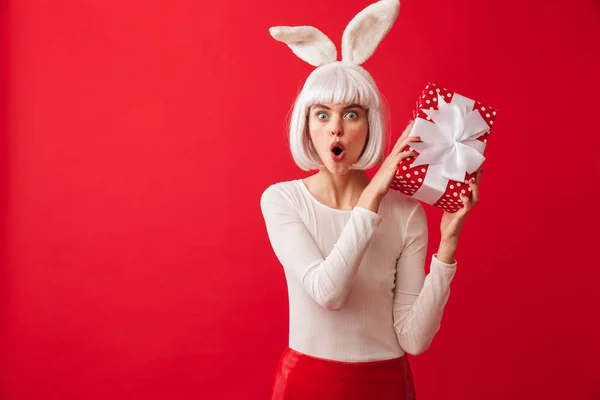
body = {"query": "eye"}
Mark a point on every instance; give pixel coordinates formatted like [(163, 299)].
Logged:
[(322, 115), (352, 114)]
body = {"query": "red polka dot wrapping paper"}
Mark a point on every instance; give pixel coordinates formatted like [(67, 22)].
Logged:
[(409, 180)]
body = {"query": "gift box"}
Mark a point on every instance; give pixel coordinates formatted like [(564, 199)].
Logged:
[(454, 131)]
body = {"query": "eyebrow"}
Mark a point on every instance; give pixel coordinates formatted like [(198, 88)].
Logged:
[(354, 105)]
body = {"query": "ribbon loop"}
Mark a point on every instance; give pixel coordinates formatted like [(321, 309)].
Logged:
[(451, 142)]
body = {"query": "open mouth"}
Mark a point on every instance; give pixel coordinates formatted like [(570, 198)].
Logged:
[(337, 151)]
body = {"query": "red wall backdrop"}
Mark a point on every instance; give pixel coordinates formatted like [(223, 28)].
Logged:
[(137, 137)]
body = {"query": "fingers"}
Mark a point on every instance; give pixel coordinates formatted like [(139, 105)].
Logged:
[(404, 136), (405, 154), (407, 130), (474, 185), (401, 144), (397, 155), (394, 160), (467, 204)]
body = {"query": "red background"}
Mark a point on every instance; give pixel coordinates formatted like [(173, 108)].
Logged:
[(137, 137)]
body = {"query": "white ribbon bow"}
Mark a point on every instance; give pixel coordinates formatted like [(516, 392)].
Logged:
[(449, 145), (452, 139)]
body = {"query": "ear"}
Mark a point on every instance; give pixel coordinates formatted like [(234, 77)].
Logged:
[(307, 42), (367, 29)]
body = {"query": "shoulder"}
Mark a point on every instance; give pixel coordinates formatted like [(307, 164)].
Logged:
[(281, 193)]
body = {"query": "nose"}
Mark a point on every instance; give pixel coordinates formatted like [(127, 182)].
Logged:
[(336, 128)]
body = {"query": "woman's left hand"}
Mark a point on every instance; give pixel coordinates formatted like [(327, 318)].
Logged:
[(452, 223)]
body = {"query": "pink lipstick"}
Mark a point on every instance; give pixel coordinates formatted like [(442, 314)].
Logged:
[(338, 151)]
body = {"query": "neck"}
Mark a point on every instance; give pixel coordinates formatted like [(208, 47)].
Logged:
[(338, 191)]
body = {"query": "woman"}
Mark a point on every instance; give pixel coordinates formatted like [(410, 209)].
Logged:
[(353, 251)]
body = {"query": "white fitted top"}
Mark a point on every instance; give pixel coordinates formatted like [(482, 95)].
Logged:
[(356, 279)]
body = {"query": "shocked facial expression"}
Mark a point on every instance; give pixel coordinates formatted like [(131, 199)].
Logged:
[(339, 134)]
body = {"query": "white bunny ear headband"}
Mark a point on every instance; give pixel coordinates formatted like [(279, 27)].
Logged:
[(360, 39)]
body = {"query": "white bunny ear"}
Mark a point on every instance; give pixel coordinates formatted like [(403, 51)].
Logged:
[(367, 29), (307, 42)]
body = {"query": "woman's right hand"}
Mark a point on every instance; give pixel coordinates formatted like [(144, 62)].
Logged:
[(382, 180)]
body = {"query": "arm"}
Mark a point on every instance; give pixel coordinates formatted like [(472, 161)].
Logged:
[(327, 280), (419, 300)]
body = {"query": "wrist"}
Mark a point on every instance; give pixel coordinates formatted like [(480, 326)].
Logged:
[(449, 242), (447, 251)]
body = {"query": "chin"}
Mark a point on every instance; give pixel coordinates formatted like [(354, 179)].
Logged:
[(338, 168)]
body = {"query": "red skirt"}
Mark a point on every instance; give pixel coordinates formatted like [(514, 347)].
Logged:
[(300, 376)]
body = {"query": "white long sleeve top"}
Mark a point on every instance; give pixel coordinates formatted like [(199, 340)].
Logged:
[(356, 279)]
